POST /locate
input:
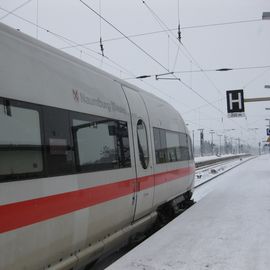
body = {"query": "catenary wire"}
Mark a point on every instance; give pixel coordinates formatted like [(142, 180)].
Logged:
[(69, 42), (217, 70), (171, 29), (57, 35), (150, 56), (229, 69), (164, 27), (194, 60), (15, 9), (134, 43), (256, 78), (141, 49), (190, 56)]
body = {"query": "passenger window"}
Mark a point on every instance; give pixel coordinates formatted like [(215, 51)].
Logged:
[(184, 146), (160, 145), (100, 143), (143, 144), (20, 140), (59, 148), (173, 146), (123, 144), (190, 147)]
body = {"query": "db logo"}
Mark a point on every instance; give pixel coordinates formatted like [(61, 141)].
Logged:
[(75, 95)]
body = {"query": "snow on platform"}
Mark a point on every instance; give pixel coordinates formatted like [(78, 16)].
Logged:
[(213, 157), (228, 229)]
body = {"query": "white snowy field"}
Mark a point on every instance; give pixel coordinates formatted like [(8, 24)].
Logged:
[(229, 228)]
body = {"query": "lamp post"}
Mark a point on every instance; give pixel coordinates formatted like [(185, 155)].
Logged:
[(239, 148), (225, 139), (219, 135), (232, 146), (212, 145), (255, 133), (201, 141)]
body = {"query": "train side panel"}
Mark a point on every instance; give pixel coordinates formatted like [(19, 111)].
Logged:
[(143, 153), (35, 73), (175, 176), (63, 120)]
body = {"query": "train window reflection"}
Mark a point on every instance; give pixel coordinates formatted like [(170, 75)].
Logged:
[(143, 144), (95, 145), (100, 144), (190, 147), (171, 146), (160, 145), (20, 141), (184, 146)]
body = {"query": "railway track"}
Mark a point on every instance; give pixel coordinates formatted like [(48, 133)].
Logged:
[(200, 164), (217, 169)]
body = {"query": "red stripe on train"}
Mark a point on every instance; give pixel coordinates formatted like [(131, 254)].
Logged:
[(28, 212)]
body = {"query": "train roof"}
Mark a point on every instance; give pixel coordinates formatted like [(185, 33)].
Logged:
[(30, 41), (35, 42)]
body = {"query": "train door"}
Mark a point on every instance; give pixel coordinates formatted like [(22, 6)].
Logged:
[(142, 149)]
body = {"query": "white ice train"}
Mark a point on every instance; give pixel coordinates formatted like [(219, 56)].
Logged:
[(86, 159)]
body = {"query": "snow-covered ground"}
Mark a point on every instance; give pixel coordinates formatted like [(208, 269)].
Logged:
[(227, 229), (205, 158)]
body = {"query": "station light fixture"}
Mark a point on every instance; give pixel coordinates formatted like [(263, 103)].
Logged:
[(266, 16), (143, 76), (224, 69)]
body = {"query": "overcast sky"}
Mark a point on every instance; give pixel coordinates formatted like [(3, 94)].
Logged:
[(236, 45)]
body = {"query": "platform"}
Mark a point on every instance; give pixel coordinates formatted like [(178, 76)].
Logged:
[(228, 229)]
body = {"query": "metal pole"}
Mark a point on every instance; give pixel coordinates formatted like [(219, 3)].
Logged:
[(201, 140), (257, 99), (225, 145), (220, 144), (193, 141), (212, 145)]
